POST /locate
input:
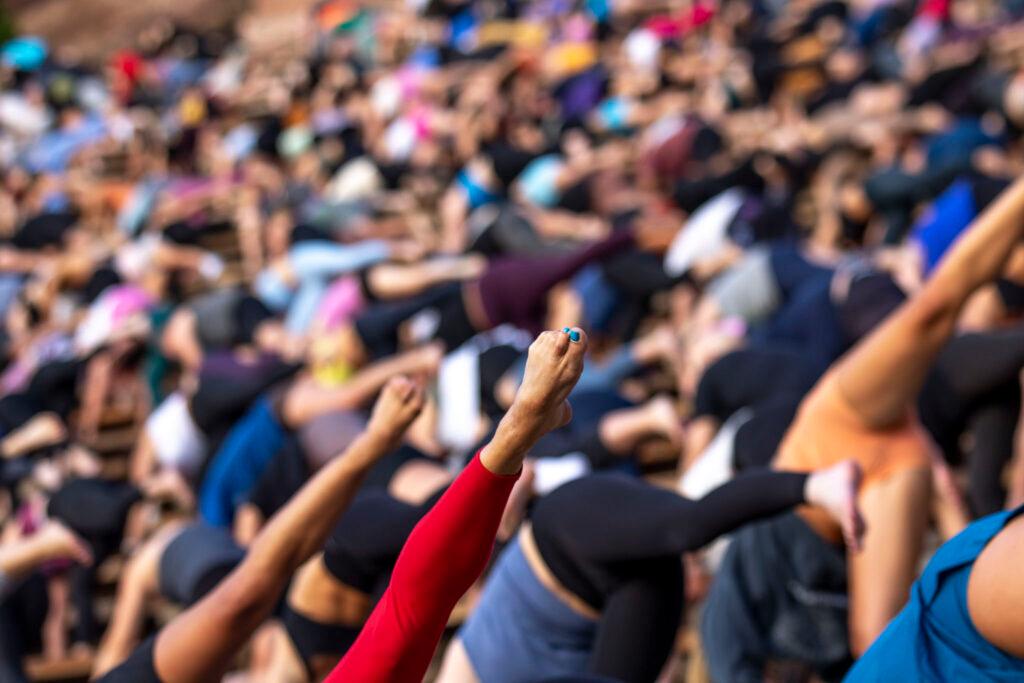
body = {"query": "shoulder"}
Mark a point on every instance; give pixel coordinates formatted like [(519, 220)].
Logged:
[(995, 592)]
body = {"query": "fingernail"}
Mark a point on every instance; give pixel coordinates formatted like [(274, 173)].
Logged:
[(574, 336), (565, 329)]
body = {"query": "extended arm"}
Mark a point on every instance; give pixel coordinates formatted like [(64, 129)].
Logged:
[(449, 548)]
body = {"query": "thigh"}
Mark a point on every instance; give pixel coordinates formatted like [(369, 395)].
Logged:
[(638, 625), (880, 575), (993, 426)]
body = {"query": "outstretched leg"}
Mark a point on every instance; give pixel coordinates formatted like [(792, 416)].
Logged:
[(449, 548), (638, 625), (515, 287)]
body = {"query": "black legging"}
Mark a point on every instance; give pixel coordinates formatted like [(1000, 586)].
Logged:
[(615, 542), (639, 623), (975, 387), (96, 510), (21, 621), (758, 439), (993, 425)]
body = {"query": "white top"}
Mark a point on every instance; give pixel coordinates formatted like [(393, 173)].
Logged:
[(177, 441)]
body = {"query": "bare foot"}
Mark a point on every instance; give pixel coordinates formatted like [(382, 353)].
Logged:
[(553, 367), (835, 489)]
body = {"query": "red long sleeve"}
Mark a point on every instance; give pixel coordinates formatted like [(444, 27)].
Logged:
[(445, 554)]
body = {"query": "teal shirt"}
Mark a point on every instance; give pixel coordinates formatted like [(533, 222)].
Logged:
[(933, 638)]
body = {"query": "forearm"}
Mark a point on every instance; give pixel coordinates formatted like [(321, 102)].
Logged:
[(306, 399), (22, 556), (302, 526), (17, 443)]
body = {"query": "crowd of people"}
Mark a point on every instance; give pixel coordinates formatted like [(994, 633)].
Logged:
[(705, 316)]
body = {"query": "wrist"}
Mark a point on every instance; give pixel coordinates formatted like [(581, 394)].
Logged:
[(378, 441)]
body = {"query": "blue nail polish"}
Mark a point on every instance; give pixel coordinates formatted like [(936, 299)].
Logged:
[(574, 336), (565, 329)]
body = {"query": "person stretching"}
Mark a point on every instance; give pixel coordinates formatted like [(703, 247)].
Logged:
[(448, 550), (199, 644)]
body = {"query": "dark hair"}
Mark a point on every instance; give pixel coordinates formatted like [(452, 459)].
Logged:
[(871, 298)]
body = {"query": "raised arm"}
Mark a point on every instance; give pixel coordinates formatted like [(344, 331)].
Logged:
[(449, 548), (199, 644)]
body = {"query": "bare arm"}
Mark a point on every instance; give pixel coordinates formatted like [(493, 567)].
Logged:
[(199, 644), (53, 541), (995, 593), (45, 429)]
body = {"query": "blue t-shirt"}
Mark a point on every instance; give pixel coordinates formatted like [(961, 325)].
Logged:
[(947, 217), (239, 463)]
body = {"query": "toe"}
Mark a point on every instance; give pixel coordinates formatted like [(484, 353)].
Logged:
[(576, 343), (578, 339), (561, 343)]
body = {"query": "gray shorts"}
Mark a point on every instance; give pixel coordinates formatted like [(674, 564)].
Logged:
[(521, 632), (196, 561)]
